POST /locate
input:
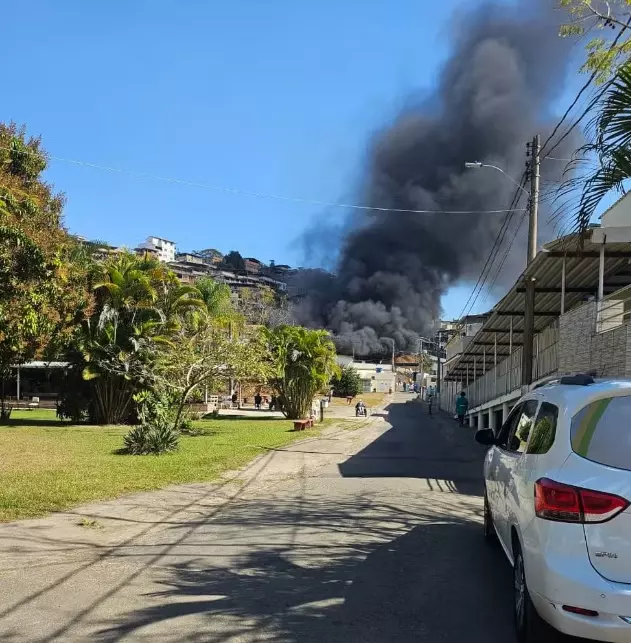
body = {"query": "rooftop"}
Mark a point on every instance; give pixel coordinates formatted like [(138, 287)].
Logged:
[(581, 270)]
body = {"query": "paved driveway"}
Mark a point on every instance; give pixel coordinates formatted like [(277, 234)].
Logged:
[(366, 536)]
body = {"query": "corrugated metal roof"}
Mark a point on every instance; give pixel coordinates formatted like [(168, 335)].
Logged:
[(581, 278)]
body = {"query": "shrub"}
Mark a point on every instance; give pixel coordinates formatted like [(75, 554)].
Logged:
[(348, 383), (156, 433), (137, 440)]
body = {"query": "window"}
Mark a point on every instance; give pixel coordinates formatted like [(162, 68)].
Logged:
[(543, 434), (507, 427), (518, 438), (601, 432)]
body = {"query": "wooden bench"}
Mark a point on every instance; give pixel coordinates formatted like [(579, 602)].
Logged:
[(301, 425)]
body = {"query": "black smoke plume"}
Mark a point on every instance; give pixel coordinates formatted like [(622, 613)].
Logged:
[(506, 67)]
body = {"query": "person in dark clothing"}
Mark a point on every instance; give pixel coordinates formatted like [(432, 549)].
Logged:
[(257, 401), (462, 406)]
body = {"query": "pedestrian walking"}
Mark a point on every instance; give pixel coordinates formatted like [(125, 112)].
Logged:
[(462, 406), (430, 401)]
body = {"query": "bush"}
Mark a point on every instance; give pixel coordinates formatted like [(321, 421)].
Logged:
[(73, 401), (156, 433), (348, 383)]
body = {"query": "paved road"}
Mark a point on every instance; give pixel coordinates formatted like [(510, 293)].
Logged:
[(367, 536)]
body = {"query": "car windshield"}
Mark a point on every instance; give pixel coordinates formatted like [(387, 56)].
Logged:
[(601, 432)]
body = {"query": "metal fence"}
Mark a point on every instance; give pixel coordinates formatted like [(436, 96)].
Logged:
[(506, 376)]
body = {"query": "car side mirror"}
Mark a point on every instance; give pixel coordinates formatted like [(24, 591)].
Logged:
[(485, 437)]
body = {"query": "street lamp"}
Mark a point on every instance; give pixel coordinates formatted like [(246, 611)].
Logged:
[(476, 165)]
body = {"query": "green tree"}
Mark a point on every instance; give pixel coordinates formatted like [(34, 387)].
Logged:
[(216, 297), (43, 292), (303, 363), (609, 147), (347, 383), (609, 23), (140, 303), (234, 261), (206, 355)]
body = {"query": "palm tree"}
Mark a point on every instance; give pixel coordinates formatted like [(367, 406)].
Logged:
[(216, 296), (610, 131), (138, 301), (304, 361)]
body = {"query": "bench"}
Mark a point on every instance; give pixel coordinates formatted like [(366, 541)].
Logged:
[(301, 425), (33, 404)]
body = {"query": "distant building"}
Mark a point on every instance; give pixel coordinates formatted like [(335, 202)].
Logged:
[(190, 258), (252, 265), (210, 255), (165, 249), (146, 252), (376, 378)]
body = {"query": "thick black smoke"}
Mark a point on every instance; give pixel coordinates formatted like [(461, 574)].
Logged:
[(493, 94)]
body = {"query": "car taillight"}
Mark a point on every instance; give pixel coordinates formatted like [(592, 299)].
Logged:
[(565, 503)]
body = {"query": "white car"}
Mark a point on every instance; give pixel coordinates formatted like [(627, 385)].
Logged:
[(557, 496)]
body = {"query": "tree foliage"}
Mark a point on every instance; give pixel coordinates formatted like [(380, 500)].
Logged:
[(604, 163), (347, 383), (234, 261), (207, 355), (43, 292), (609, 23), (138, 300), (303, 363)]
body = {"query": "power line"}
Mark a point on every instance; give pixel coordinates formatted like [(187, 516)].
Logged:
[(592, 102), (258, 195), (510, 245), (494, 250), (569, 109)]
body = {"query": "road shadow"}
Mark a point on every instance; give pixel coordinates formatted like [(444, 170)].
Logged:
[(421, 446), (436, 582)]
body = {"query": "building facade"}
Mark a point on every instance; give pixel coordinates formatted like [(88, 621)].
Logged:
[(164, 249), (582, 312)]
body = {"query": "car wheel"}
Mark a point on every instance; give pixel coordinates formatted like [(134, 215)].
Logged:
[(489, 530), (529, 626)]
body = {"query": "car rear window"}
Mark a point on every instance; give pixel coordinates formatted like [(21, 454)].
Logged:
[(544, 431), (601, 432)]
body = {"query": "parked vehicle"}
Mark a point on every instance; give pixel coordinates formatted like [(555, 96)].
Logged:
[(557, 492)]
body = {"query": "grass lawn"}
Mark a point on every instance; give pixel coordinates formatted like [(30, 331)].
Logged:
[(370, 399), (46, 465)]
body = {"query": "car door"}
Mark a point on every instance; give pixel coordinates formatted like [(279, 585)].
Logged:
[(496, 472), (517, 466)]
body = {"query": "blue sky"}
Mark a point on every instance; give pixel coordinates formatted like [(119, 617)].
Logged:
[(273, 97)]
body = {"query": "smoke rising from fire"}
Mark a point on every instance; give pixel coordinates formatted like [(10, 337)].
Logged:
[(506, 67)]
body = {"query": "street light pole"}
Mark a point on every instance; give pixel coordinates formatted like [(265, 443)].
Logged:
[(533, 210)]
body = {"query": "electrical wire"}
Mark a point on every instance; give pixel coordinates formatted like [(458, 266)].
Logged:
[(494, 250), (591, 104), (249, 193), (503, 261)]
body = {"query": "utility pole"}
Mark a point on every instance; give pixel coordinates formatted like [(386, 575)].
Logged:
[(534, 199), (438, 350), (529, 309), (420, 364)]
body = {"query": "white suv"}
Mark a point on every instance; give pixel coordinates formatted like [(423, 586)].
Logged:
[(557, 492)]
